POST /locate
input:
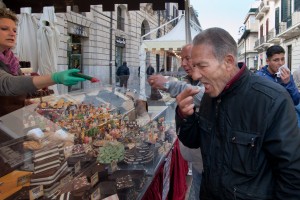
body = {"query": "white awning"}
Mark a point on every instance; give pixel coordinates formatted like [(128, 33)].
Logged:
[(174, 39)]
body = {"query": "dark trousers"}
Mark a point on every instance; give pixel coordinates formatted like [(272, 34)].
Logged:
[(123, 81)]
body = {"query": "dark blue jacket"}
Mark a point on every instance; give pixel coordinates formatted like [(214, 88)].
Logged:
[(290, 87)]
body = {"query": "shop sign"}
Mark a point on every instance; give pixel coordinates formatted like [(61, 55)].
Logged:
[(77, 29), (120, 42)]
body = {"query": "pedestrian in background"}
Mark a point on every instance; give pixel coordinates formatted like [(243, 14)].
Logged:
[(276, 71), (123, 73), (245, 126), (150, 70), (162, 70)]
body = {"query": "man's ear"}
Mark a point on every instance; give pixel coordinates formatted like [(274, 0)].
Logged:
[(229, 61)]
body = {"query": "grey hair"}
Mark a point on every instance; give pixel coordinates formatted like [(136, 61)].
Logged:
[(221, 41)]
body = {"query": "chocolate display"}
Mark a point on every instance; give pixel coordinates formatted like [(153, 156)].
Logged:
[(142, 153), (138, 177), (101, 170), (94, 134), (124, 182), (11, 157), (111, 151), (79, 188)]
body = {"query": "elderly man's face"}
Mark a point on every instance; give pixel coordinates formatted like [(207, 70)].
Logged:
[(186, 61), (208, 70)]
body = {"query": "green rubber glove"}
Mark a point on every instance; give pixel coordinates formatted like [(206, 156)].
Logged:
[(66, 77)]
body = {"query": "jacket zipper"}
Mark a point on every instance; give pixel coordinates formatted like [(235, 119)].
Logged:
[(217, 115), (234, 193)]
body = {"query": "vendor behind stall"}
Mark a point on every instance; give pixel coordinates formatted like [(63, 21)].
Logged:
[(13, 85)]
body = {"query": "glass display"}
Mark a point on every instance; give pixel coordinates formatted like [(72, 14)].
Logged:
[(90, 144)]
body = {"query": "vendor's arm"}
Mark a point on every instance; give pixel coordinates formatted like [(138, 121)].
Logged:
[(42, 81), (18, 85)]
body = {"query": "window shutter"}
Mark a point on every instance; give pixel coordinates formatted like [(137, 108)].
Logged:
[(277, 20), (284, 10), (297, 5)]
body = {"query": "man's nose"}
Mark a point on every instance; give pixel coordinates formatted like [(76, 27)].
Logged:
[(196, 75)]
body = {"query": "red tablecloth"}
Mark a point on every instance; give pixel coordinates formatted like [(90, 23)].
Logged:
[(178, 171)]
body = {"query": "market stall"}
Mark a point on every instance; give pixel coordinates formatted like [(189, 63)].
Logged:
[(92, 145)]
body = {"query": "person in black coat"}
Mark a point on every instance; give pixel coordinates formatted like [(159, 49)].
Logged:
[(150, 70), (123, 73)]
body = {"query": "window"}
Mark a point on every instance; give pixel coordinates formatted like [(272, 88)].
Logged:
[(286, 9), (120, 19), (277, 20), (289, 57), (143, 30), (168, 12), (296, 5)]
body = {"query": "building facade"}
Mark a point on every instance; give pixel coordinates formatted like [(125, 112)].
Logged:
[(249, 32), (97, 42)]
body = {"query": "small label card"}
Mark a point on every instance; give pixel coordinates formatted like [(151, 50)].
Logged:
[(96, 195), (94, 179), (36, 192)]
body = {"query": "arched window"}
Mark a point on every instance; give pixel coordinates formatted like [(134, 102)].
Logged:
[(145, 28), (120, 19)]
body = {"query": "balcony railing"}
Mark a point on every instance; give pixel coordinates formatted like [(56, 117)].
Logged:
[(264, 7), (270, 34), (262, 40), (282, 27)]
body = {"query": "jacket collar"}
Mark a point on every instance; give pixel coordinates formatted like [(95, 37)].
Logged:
[(242, 67)]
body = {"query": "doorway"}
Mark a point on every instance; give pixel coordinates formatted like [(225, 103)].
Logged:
[(119, 59), (75, 58)]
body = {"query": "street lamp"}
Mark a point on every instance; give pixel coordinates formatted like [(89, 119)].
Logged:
[(242, 31), (245, 51)]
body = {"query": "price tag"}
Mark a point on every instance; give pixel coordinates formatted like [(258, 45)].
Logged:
[(94, 179), (22, 180), (77, 167), (96, 195), (36, 192)]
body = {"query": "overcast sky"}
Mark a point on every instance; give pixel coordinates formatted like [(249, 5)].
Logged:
[(226, 14)]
